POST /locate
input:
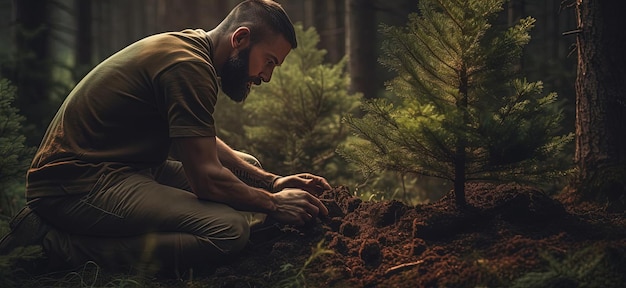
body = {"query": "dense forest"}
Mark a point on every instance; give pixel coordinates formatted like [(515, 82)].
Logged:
[(418, 110), (55, 43)]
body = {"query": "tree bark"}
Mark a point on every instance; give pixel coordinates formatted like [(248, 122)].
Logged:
[(460, 156), (84, 41), (361, 47), (331, 29), (32, 70), (600, 101)]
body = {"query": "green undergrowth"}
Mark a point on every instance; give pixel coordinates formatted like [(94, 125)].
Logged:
[(295, 277), (594, 266)]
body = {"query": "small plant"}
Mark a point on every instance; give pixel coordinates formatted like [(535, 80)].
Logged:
[(298, 279)]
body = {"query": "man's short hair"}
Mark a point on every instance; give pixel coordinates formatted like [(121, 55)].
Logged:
[(261, 17)]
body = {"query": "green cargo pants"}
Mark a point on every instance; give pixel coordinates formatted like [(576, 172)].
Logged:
[(145, 220)]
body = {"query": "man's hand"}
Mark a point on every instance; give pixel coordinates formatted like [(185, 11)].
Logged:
[(305, 181), (297, 207)]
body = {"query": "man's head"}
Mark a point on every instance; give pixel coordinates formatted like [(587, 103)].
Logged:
[(261, 35)]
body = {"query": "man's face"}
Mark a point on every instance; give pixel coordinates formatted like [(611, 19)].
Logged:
[(235, 77), (252, 65)]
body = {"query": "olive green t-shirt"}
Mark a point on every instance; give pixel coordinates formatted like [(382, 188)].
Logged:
[(124, 113)]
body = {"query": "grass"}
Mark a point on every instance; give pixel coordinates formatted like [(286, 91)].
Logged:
[(296, 276)]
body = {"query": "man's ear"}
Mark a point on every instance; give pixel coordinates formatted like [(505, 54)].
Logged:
[(240, 38)]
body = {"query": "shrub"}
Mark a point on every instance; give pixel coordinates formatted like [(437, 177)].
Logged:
[(14, 155), (293, 123)]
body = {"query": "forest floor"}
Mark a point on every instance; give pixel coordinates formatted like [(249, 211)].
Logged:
[(512, 236)]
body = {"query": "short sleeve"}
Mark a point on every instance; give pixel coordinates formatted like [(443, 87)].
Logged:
[(187, 97)]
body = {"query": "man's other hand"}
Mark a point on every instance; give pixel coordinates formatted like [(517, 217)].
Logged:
[(308, 182), (296, 207)]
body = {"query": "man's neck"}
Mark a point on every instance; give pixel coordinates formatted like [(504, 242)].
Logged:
[(221, 48)]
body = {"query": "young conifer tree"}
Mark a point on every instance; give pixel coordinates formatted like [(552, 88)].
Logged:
[(462, 112), (14, 154), (294, 122)]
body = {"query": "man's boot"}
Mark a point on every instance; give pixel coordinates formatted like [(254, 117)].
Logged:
[(27, 229)]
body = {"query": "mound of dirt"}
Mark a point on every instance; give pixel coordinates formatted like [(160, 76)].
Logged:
[(508, 236), (509, 231)]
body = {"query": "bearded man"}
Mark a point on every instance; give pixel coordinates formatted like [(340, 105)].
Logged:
[(131, 169)]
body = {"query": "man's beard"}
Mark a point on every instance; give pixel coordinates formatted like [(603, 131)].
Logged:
[(235, 78)]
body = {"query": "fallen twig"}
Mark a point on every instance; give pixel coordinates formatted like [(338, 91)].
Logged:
[(401, 267)]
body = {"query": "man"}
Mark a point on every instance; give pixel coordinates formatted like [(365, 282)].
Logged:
[(102, 186)]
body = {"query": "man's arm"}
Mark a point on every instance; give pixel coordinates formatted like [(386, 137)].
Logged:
[(210, 180), (257, 177), (248, 173)]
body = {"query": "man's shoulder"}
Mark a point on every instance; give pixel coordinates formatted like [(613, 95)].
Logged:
[(194, 40), (160, 52)]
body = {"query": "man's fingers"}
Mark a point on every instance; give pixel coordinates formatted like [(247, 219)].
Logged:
[(322, 183), (307, 217), (301, 205), (325, 184), (321, 208), (319, 184), (314, 206), (305, 181)]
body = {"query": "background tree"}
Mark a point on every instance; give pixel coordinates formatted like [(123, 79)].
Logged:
[(463, 114), (293, 124), (81, 33), (15, 156), (361, 46), (601, 101), (30, 65), (362, 41)]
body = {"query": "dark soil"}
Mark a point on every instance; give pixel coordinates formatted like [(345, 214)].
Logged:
[(511, 235), (508, 236)]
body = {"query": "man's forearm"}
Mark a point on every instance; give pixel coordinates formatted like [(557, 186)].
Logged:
[(246, 197), (254, 179), (246, 172)]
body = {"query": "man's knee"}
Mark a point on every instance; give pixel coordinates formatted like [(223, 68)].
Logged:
[(249, 158), (234, 235)]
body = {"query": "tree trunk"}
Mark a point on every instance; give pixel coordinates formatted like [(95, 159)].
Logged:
[(308, 9), (361, 47), (32, 71), (84, 40), (460, 156), (600, 101), (331, 29)]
